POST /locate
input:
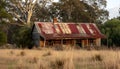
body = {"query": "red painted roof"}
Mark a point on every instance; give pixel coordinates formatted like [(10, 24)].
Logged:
[(68, 30)]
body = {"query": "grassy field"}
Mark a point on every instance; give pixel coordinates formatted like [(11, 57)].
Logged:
[(51, 59)]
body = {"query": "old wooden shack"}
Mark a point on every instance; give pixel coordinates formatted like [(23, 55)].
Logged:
[(54, 33)]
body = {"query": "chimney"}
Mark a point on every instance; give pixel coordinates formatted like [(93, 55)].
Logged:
[(54, 20)]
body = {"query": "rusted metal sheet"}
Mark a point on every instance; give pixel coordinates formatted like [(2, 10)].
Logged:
[(69, 30)]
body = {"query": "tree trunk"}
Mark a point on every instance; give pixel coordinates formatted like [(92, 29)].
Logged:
[(29, 17)]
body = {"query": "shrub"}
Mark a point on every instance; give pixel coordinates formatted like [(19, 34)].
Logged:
[(97, 57), (58, 64), (22, 53), (23, 37), (47, 54), (62, 63), (3, 38), (11, 52)]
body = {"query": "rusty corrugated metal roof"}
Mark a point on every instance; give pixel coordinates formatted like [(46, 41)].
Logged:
[(68, 30)]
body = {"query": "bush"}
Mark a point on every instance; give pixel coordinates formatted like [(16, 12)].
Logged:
[(97, 57), (3, 38), (58, 64), (23, 37)]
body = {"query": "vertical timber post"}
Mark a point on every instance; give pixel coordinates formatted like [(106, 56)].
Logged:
[(61, 42), (87, 42), (44, 42), (98, 41), (83, 44), (74, 42)]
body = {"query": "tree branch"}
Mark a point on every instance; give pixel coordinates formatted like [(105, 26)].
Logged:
[(19, 18)]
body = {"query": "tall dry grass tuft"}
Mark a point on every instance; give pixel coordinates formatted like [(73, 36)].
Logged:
[(57, 64), (22, 53), (62, 64), (42, 66), (69, 64), (33, 60), (97, 57), (47, 54), (11, 52)]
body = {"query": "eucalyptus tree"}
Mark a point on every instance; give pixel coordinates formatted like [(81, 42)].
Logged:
[(80, 10), (111, 30), (23, 10), (4, 18)]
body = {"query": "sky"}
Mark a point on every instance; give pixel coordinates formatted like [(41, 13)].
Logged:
[(113, 7), (113, 4)]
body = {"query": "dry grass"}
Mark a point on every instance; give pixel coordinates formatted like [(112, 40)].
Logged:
[(51, 59)]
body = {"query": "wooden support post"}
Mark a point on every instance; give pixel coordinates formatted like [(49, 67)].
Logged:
[(53, 42), (74, 42), (61, 42), (41, 43), (98, 41), (83, 43), (44, 43), (87, 42)]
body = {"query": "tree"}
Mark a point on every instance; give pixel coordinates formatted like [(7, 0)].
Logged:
[(41, 13), (3, 38), (4, 19), (4, 16), (23, 10), (111, 28), (23, 37), (79, 10)]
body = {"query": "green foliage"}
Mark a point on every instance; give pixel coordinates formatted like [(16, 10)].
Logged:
[(72, 11), (112, 30), (79, 11), (23, 37), (3, 38), (4, 19), (41, 14), (4, 16)]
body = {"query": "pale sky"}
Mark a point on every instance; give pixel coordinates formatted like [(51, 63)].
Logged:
[(55, 0), (113, 3), (113, 7)]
